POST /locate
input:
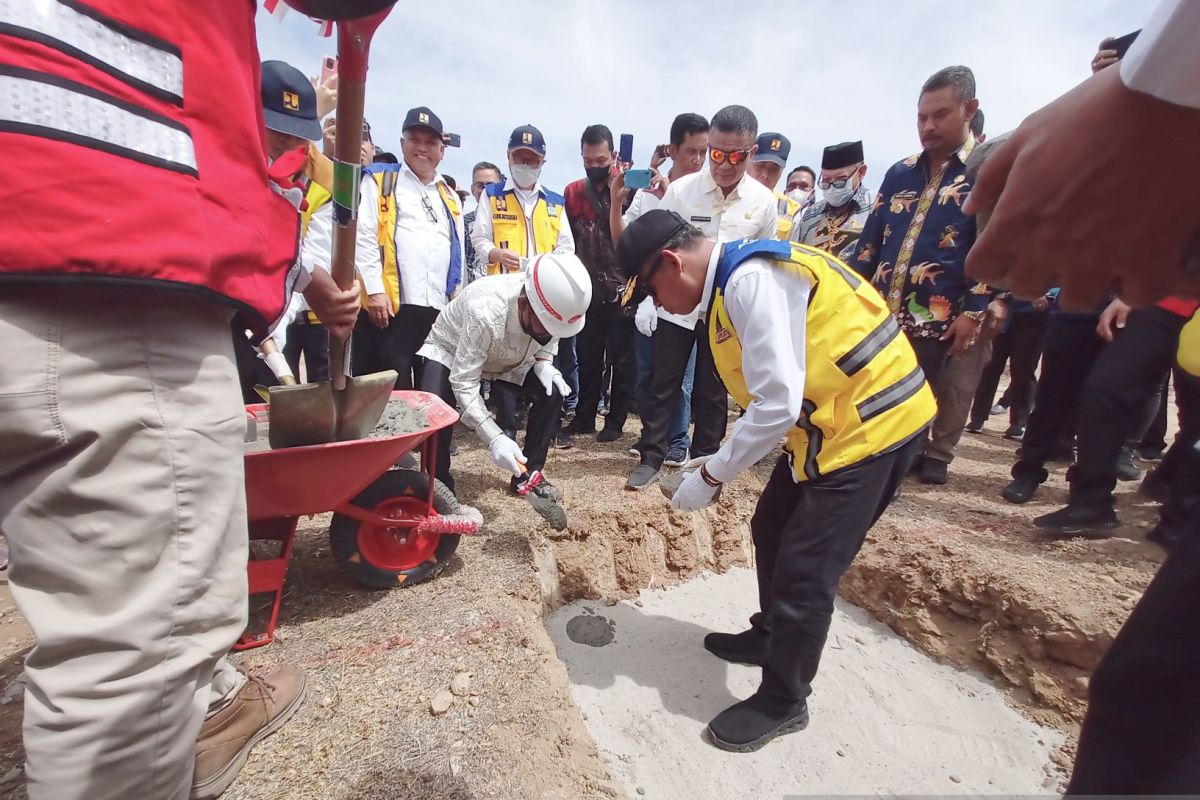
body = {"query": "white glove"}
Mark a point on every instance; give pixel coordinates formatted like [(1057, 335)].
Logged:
[(646, 318), (694, 493), (693, 464), (507, 455), (551, 378)]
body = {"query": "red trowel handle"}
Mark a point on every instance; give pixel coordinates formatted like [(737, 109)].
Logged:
[(354, 45)]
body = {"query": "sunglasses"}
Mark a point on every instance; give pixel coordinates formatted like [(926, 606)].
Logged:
[(638, 288), (734, 157)]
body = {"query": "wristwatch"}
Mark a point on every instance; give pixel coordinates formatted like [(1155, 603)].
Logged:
[(977, 316)]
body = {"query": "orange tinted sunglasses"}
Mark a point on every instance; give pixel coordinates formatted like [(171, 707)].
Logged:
[(735, 157)]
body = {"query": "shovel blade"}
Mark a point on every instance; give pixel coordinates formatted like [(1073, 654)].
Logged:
[(316, 413), (302, 414), (360, 405)]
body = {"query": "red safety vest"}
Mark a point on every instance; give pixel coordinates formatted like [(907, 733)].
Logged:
[(133, 151)]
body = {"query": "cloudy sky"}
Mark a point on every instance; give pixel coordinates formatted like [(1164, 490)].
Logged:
[(820, 72)]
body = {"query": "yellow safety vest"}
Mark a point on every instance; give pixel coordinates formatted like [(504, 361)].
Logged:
[(864, 393), (788, 208), (509, 225), (1189, 346), (385, 176)]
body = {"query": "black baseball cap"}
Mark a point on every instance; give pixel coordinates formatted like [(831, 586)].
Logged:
[(527, 137), (773, 147), (422, 117), (289, 101), (644, 237)]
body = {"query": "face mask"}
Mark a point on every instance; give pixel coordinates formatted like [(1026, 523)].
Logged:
[(836, 198), (525, 177), (799, 195), (527, 327), (597, 175)]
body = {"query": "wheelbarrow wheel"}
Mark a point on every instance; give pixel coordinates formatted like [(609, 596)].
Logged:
[(382, 557)]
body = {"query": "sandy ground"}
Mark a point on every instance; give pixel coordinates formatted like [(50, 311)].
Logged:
[(955, 570), (886, 718)]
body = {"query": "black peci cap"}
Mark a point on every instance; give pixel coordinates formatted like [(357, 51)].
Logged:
[(841, 155)]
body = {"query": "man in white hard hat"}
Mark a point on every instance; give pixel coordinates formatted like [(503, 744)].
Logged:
[(505, 328)]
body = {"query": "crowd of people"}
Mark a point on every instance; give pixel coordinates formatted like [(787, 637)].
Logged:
[(854, 326)]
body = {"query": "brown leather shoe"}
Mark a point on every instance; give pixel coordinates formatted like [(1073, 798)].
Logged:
[(259, 709)]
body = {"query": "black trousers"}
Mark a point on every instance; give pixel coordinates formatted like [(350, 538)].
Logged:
[(251, 369), (932, 355), (606, 339), (672, 350), (394, 347), (1155, 436), (1126, 375), (1020, 345), (1070, 349), (805, 536), (311, 340), (1141, 734), (545, 415)]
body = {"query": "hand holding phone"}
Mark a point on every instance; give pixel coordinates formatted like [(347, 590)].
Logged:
[(329, 66), (637, 178)]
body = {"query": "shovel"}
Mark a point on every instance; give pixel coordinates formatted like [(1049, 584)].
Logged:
[(342, 408)]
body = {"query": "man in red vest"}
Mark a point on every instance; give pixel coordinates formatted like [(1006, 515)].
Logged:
[(138, 217)]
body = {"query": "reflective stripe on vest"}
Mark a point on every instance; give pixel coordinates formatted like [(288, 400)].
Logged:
[(509, 223), (864, 392), (38, 104), (142, 61)]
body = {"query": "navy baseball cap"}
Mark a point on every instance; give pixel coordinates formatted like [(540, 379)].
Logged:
[(527, 137), (289, 101), (773, 147), (422, 117)]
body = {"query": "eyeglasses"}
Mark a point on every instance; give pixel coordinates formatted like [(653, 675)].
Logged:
[(840, 183), (481, 185), (734, 157), (429, 212)]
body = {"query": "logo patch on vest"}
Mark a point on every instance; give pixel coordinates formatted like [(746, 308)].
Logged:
[(502, 203), (551, 211), (509, 217), (722, 334), (701, 219)]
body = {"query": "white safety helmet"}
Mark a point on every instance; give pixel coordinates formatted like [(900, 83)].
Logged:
[(560, 291)]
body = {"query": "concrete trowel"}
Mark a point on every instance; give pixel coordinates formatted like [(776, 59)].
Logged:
[(344, 407)]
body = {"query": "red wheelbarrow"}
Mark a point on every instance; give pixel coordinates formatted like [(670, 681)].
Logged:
[(386, 530)]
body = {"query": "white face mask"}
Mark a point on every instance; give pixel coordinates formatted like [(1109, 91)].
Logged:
[(525, 177), (800, 195), (837, 198)]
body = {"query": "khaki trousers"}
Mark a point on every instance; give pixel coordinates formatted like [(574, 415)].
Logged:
[(122, 497), (955, 391)]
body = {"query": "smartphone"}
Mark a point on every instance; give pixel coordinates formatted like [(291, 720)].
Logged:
[(329, 66), (637, 179), (452, 139), (625, 154), (1121, 43)]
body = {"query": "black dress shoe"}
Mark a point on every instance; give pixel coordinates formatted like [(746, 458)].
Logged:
[(609, 433), (1126, 469), (933, 472), (974, 427), (1015, 432), (746, 726), (1020, 490), (748, 647), (1078, 519)]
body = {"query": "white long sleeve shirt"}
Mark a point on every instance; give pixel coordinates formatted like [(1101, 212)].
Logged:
[(316, 252), (748, 212), (768, 309), (478, 337), (423, 240), (481, 236), (1164, 60)]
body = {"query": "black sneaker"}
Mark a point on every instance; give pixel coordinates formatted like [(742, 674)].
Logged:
[(543, 488), (609, 433), (1126, 469), (581, 426), (1020, 490), (568, 417), (746, 726), (748, 647), (676, 456), (563, 440), (998, 408), (933, 472), (974, 427), (1150, 454), (1078, 520), (642, 476), (1015, 432)]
